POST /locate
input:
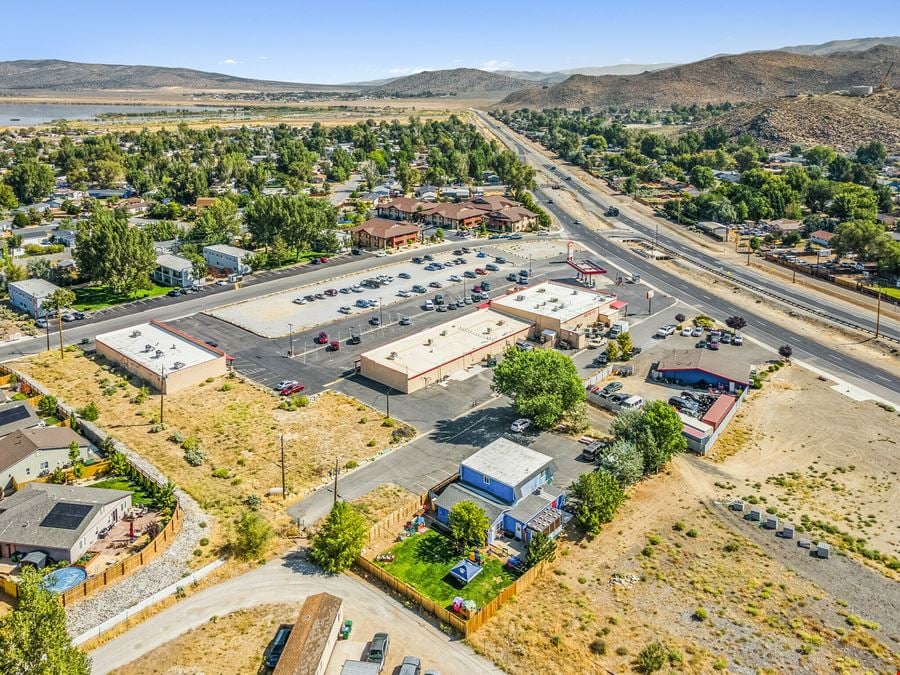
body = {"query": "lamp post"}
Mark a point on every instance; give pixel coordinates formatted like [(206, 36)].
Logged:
[(283, 488), (162, 392), (337, 472), (878, 314), (291, 331), (380, 313)]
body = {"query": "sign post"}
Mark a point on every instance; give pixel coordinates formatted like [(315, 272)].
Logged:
[(650, 302)]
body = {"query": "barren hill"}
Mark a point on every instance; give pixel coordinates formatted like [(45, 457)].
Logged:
[(737, 78), (456, 82), (842, 122), (52, 74), (854, 45)]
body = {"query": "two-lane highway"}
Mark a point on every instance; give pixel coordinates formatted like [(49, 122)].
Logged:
[(763, 327)]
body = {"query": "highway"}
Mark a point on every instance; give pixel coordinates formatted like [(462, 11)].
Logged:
[(763, 327)]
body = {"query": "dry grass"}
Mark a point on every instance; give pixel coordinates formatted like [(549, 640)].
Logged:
[(238, 427), (234, 643), (382, 501)]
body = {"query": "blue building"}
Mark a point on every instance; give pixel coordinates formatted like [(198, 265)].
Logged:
[(512, 484), (722, 369)]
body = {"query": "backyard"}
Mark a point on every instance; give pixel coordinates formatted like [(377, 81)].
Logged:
[(424, 561), (90, 298), (139, 496), (228, 428)]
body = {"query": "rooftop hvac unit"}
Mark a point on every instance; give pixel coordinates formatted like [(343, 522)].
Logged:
[(135, 333), (444, 332), (159, 353), (575, 292), (392, 356), (173, 347), (520, 298), (148, 349), (542, 290), (178, 365), (554, 299), (428, 342), (487, 330)]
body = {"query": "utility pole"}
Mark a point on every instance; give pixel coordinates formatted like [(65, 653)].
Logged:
[(162, 392), (650, 302), (388, 396), (291, 331), (283, 488), (878, 314), (380, 313), (336, 473)]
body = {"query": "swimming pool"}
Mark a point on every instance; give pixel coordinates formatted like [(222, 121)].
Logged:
[(61, 580)]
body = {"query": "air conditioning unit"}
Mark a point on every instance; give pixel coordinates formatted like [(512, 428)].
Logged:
[(159, 353), (542, 290), (148, 349), (178, 365), (520, 298), (135, 333)]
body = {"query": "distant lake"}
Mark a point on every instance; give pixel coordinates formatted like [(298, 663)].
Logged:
[(32, 114)]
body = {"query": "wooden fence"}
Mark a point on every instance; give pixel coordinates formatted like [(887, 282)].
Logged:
[(88, 471), (388, 526)]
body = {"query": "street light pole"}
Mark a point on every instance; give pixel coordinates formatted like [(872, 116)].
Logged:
[(380, 313), (878, 314), (336, 473), (283, 488), (291, 330), (162, 392)]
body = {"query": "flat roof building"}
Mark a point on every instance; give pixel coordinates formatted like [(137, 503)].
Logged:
[(414, 362), (28, 295), (165, 357), (702, 366), (312, 639)]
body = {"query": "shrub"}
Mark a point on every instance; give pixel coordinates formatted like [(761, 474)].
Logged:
[(678, 526), (58, 477), (252, 501), (721, 663), (251, 535), (194, 457), (221, 472), (204, 541), (598, 647), (652, 658), (191, 443), (47, 405), (300, 400), (176, 437), (555, 640), (700, 614), (388, 422), (371, 443), (352, 464), (225, 387), (156, 428), (692, 533), (854, 620), (364, 420), (622, 651), (90, 412)]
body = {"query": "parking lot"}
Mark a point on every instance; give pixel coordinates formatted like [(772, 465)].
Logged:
[(322, 303)]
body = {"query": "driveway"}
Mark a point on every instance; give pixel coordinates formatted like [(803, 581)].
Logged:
[(291, 580)]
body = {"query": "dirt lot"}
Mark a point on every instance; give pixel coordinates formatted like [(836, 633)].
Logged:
[(236, 425), (234, 643), (676, 553)]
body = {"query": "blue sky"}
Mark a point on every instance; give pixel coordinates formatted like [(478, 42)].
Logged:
[(332, 42)]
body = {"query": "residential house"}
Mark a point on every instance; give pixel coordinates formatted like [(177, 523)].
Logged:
[(821, 238), (491, 202), (63, 521), (204, 202), (453, 216), (134, 206), (17, 415), (173, 270), (512, 484), (456, 193), (384, 233), (65, 237), (229, 259), (28, 295), (511, 219), (401, 208), (27, 454)]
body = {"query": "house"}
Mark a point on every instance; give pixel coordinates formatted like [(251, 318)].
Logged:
[(456, 193), (65, 237), (491, 202), (134, 206), (702, 366), (62, 521), (512, 484), (821, 238), (17, 415), (384, 233), (229, 259), (27, 454), (714, 229), (28, 295), (511, 219), (453, 216), (173, 270), (313, 637), (204, 202), (401, 208)]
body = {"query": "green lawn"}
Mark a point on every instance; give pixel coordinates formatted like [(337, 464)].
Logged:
[(88, 298), (138, 496), (424, 561), (888, 291)]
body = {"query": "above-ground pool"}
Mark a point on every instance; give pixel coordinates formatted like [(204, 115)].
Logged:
[(61, 580)]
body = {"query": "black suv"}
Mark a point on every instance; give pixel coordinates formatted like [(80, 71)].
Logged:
[(378, 650)]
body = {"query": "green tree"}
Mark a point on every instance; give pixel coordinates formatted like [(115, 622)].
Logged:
[(820, 156), (31, 180), (8, 198), (863, 237), (251, 535), (111, 252), (468, 523), (60, 299), (544, 384), (702, 177), (625, 344), (651, 658), (613, 351), (596, 496), (33, 636), (736, 322), (853, 202), (219, 223), (540, 547), (340, 539), (48, 405), (871, 153), (665, 428), (624, 460)]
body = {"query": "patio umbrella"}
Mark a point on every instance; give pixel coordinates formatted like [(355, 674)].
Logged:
[(131, 529)]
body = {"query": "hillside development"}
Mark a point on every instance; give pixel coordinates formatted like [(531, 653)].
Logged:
[(737, 78)]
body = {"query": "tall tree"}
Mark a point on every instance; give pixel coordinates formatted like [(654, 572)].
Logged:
[(540, 547), (218, 223), (33, 636), (31, 180), (340, 539), (111, 252), (597, 496), (544, 384), (59, 300), (468, 523)]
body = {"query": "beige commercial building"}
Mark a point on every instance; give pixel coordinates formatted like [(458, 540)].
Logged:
[(562, 309), (168, 359), (414, 362)]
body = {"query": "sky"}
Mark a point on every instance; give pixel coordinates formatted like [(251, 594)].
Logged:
[(354, 40)]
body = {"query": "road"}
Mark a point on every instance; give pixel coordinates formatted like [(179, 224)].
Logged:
[(765, 328), (291, 580)]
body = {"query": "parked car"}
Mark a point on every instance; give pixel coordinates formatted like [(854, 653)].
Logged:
[(345, 310), (375, 320), (284, 384), (378, 649), (701, 344), (697, 331), (405, 320), (511, 277), (411, 665), (277, 648), (174, 293), (299, 301), (470, 274), (428, 257), (418, 260), (419, 289), (481, 254), (68, 317), (681, 403), (405, 275), (455, 278), (485, 285), (491, 267), (334, 345), (322, 338), (500, 260), (435, 284), (41, 323), (712, 345), (293, 389), (611, 388), (687, 331), (665, 331), (356, 288), (319, 296), (381, 253), (480, 271), (520, 425), (737, 340), (79, 315), (323, 260), (331, 292), (429, 305), (726, 339)]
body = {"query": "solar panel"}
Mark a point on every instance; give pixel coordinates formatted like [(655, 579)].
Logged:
[(66, 516), (16, 414)]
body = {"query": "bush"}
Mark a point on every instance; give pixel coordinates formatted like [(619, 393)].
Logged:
[(221, 472), (58, 477), (352, 464), (176, 437), (700, 614), (692, 533), (47, 405), (204, 541), (300, 400), (251, 535), (388, 422), (678, 526), (90, 412), (191, 443), (371, 444), (252, 501), (598, 647), (652, 658), (194, 457), (225, 387)]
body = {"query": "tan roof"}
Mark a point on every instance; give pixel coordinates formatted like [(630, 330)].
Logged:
[(310, 636), (454, 211), (22, 443), (490, 202), (385, 229), (824, 235), (512, 213), (404, 204)]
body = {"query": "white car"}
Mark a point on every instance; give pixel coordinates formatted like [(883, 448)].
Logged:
[(404, 294), (737, 340), (356, 288), (284, 384), (429, 305), (374, 302), (697, 331), (455, 277), (666, 330), (221, 282), (299, 301), (345, 310), (686, 331), (520, 425), (381, 254)]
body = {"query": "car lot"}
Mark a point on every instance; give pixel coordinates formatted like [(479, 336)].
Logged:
[(318, 304)]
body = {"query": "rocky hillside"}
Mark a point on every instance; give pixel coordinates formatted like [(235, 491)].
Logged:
[(855, 45), (842, 122), (735, 78), (55, 75), (460, 82)]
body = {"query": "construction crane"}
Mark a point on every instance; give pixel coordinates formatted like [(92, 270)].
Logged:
[(886, 80)]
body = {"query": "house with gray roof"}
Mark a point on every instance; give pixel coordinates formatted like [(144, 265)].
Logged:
[(17, 415), (28, 295), (173, 270), (62, 521), (28, 454), (512, 484)]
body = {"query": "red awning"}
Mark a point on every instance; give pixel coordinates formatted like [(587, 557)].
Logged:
[(618, 304)]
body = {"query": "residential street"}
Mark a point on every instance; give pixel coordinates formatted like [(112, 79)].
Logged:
[(290, 580)]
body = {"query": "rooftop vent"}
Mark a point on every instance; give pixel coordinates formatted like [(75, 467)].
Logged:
[(159, 353), (542, 290), (148, 349), (135, 333), (520, 298), (178, 365)]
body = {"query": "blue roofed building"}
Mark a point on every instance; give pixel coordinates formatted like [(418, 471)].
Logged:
[(512, 484)]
